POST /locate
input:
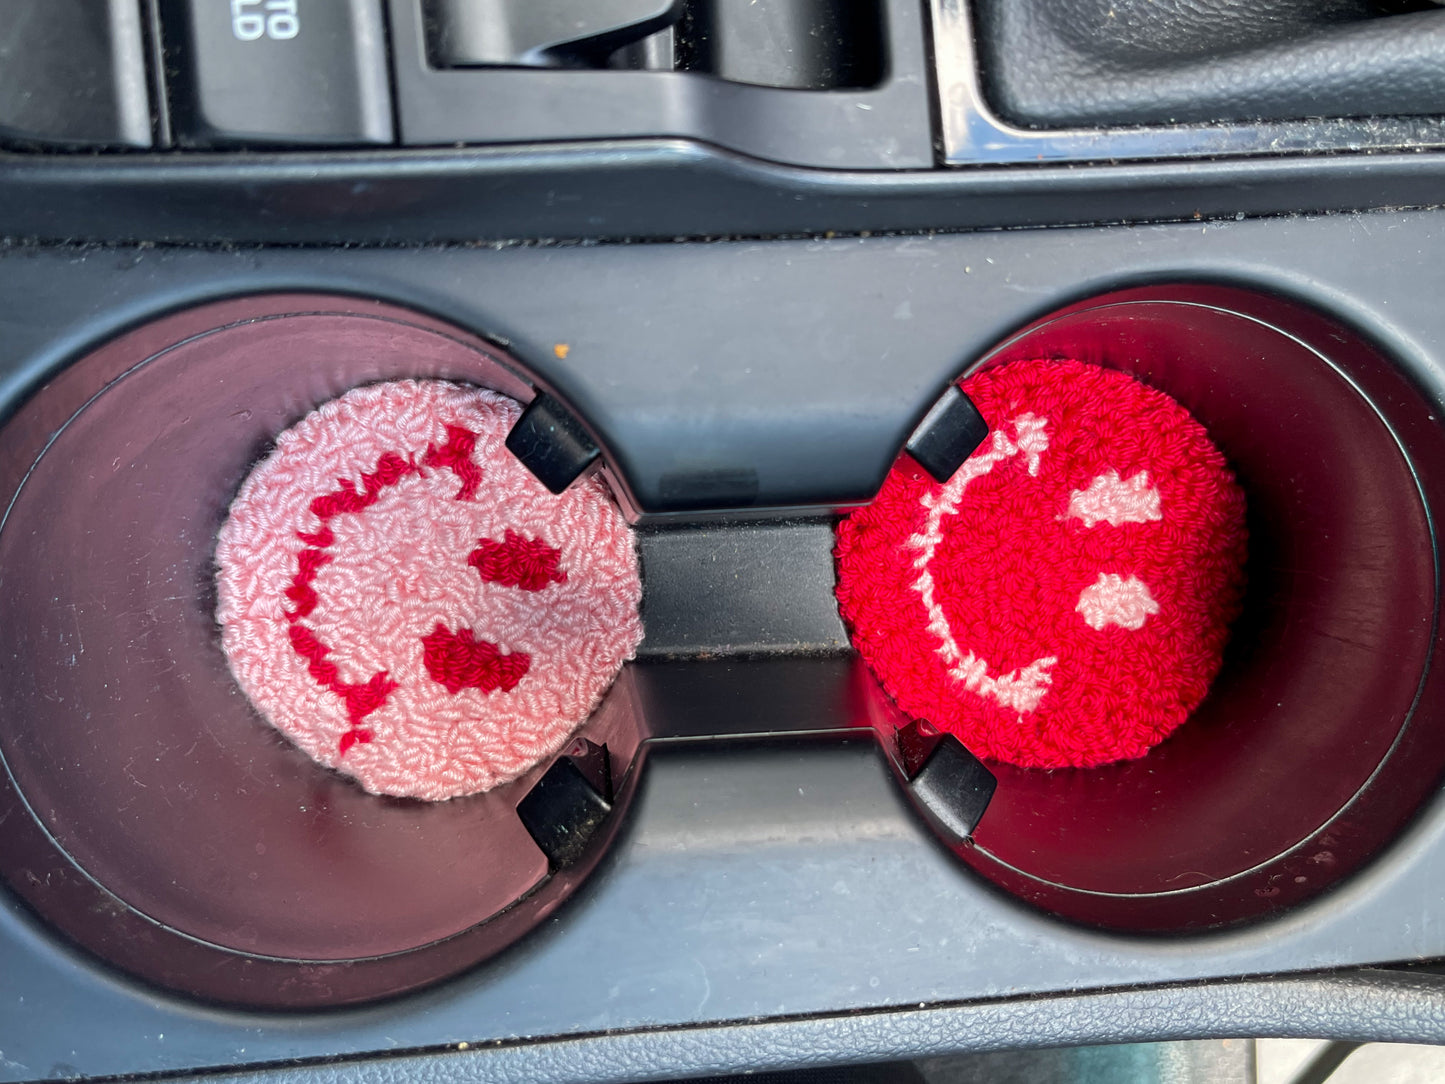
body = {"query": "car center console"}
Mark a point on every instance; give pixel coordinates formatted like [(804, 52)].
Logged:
[(733, 256)]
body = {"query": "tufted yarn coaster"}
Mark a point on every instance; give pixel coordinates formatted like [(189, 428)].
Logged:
[(1065, 598), (401, 598)]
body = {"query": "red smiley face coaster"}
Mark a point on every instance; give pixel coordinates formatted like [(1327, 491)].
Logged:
[(403, 600), (1065, 598)]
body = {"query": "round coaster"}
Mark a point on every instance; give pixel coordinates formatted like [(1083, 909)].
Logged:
[(401, 598), (1065, 598)]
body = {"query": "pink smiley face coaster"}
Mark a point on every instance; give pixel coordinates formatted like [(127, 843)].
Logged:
[(1064, 599), (403, 600)]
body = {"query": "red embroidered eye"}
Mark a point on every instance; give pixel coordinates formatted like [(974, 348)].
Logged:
[(528, 563), (1064, 599)]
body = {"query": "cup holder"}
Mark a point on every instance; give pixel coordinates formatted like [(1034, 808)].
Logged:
[(1319, 738), (170, 831)]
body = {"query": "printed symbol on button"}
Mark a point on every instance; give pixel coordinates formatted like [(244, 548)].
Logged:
[(277, 20)]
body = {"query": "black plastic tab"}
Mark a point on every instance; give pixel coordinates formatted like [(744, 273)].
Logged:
[(569, 803), (72, 72), (540, 33), (947, 435), (257, 72), (949, 784), (802, 44), (916, 743), (551, 443)]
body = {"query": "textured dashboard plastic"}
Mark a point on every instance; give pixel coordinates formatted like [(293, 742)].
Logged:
[(1364, 1006), (1098, 63)]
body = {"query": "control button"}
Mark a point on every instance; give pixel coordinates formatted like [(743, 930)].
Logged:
[(541, 33), (72, 72), (279, 72)]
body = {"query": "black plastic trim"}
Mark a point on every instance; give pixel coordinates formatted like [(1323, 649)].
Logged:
[(882, 127), (645, 190)]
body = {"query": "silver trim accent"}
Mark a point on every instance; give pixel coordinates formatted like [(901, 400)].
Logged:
[(974, 135)]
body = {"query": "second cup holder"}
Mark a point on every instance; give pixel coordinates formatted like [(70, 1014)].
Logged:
[(1319, 738)]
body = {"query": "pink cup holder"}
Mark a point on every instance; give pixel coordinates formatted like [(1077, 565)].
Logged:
[(171, 831)]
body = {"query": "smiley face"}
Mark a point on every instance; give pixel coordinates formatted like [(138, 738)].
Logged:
[(401, 598), (1064, 599)]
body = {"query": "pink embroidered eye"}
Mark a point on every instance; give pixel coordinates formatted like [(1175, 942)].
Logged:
[(404, 601)]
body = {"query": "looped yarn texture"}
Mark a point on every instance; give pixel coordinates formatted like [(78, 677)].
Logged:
[(403, 600), (1065, 598)]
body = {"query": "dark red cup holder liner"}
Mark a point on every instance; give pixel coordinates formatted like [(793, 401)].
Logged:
[(1315, 744)]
